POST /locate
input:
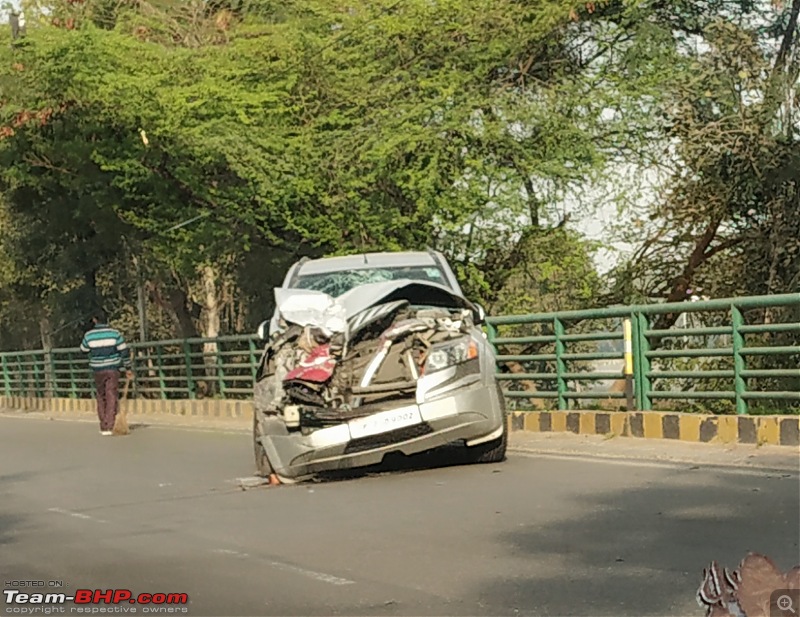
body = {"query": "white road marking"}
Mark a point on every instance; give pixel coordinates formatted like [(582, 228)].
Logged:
[(287, 567), (596, 458), (320, 576), (84, 517), (225, 551)]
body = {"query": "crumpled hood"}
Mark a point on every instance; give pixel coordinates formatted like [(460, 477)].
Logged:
[(305, 307)]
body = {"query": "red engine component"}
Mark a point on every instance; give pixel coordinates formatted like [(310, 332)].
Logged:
[(316, 367)]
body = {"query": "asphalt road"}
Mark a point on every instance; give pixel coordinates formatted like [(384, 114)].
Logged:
[(161, 511)]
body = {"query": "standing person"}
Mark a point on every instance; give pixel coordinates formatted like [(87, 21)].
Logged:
[(108, 355)]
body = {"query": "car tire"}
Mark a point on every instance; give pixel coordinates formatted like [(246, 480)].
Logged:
[(493, 451), (263, 466)]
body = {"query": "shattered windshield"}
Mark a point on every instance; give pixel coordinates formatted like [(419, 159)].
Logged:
[(337, 283)]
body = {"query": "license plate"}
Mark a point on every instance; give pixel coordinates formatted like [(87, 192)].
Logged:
[(385, 421)]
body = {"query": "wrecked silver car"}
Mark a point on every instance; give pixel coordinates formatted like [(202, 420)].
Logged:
[(370, 355)]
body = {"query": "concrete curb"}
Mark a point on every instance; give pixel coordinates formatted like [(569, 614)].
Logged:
[(211, 409), (698, 428)]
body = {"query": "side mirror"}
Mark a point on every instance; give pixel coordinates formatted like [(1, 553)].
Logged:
[(263, 330), (480, 315)]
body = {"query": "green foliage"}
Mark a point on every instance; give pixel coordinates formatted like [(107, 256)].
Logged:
[(554, 272), (727, 218), (142, 143), (277, 131)]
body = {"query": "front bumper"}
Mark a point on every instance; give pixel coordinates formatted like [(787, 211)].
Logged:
[(470, 414)]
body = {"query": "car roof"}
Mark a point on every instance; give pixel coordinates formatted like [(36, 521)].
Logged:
[(363, 261)]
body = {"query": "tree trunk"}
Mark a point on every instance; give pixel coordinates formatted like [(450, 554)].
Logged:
[(241, 318), (141, 300), (176, 304), (211, 324), (683, 282)]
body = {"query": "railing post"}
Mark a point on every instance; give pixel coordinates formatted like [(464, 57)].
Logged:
[(37, 378), (6, 376), (253, 361), (220, 369), (187, 355), (491, 332), (491, 336), (134, 351), (637, 353), (53, 375), (72, 385), (739, 382), (29, 369), (162, 383), (561, 366), (22, 379), (643, 384), (627, 337)]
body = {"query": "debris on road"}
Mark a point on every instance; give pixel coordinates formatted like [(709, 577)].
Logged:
[(253, 482)]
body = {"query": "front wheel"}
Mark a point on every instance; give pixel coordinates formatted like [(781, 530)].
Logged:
[(492, 451), (263, 466)]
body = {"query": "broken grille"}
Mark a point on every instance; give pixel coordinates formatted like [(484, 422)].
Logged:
[(387, 439)]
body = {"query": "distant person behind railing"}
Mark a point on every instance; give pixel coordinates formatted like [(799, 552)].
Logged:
[(108, 355)]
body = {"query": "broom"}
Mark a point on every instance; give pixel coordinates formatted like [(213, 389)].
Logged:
[(121, 421)]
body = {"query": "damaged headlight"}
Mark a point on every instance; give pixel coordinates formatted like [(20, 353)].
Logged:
[(451, 354)]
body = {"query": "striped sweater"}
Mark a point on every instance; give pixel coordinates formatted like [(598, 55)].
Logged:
[(106, 348)]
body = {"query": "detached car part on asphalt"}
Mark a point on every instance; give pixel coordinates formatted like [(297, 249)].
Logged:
[(392, 364)]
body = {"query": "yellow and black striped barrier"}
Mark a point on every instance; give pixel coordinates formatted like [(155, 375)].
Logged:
[(687, 427)]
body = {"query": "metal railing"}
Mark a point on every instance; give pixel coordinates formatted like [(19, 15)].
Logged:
[(737, 358), (223, 367), (725, 360)]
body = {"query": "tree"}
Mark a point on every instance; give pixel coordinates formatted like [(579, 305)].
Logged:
[(728, 220), (302, 130)]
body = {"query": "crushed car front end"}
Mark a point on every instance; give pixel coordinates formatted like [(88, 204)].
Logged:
[(392, 367)]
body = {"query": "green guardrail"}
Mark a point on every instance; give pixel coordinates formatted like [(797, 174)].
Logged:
[(738, 354), (734, 356), (222, 367)]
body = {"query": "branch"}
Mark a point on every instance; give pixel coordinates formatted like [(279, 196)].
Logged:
[(45, 163), (681, 283), (533, 202), (642, 252), (722, 246)]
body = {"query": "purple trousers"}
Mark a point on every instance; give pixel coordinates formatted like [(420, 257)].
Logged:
[(107, 384)]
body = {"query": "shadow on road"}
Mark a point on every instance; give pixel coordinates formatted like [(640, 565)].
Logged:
[(612, 559), (396, 463), (9, 521), (7, 524)]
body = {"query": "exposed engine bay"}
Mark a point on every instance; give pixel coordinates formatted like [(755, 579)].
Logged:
[(332, 360)]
